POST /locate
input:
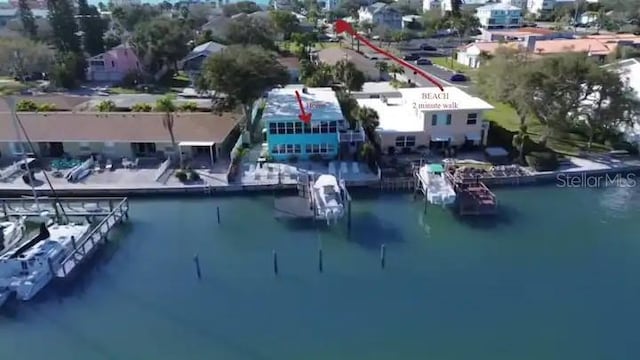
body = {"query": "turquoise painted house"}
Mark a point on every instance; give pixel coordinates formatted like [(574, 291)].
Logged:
[(289, 138)]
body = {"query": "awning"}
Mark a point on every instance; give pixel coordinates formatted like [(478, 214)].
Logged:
[(440, 138), (473, 137), (197, 143)]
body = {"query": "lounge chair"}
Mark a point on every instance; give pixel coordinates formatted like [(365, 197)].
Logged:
[(343, 168), (134, 165), (355, 167), (126, 163), (108, 165), (97, 167)]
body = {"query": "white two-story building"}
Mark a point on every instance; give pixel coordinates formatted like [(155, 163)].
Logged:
[(380, 14), (499, 16)]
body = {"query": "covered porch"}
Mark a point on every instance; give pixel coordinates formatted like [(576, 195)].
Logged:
[(200, 150)]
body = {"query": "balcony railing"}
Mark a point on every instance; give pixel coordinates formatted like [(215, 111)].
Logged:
[(351, 135)]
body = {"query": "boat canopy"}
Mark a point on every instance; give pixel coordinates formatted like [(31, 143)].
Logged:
[(435, 168), (326, 180)]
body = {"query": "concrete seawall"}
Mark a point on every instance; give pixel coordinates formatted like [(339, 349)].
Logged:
[(235, 189)]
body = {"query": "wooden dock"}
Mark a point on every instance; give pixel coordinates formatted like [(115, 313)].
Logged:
[(69, 206), (96, 237), (474, 198)]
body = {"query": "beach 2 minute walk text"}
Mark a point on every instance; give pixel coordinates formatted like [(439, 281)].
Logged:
[(435, 100)]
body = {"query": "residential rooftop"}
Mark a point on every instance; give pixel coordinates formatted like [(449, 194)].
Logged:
[(397, 114), (118, 127), (282, 104)]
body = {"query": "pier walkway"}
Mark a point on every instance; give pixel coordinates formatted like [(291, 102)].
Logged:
[(96, 237), (70, 206)]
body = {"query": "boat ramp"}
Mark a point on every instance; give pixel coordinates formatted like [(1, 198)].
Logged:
[(103, 213)]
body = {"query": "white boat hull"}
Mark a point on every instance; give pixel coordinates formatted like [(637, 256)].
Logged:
[(438, 191)]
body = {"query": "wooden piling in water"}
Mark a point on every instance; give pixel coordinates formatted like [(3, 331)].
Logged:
[(275, 262), (196, 260), (218, 213), (320, 264), (382, 256)]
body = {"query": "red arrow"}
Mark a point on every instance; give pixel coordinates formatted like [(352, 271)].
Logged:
[(304, 117), (343, 26)]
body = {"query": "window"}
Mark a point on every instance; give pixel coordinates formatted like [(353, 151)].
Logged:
[(333, 127), (289, 126), (324, 127), (297, 128), (448, 119), (405, 141), (281, 129), (434, 120), (19, 148), (307, 128), (273, 128), (278, 149), (286, 149), (472, 119), (316, 129), (320, 148)]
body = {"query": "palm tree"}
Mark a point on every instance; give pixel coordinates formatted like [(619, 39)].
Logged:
[(396, 69), (382, 67), (368, 118), (168, 106)]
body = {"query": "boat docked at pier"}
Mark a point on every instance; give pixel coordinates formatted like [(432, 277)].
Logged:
[(11, 232), (435, 186), (329, 198), (28, 268)]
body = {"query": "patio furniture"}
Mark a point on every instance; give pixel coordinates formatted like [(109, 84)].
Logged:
[(134, 164), (109, 165), (332, 168), (355, 167), (126, 163), (97, 167)]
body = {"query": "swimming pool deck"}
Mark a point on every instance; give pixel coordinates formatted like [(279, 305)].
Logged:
[(141, 182)]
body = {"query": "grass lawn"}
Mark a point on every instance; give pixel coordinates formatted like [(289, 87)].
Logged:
[(449, 64), (570, 144)]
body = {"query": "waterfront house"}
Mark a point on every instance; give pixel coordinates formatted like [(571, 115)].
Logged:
[(506, 35), (325, 136), (192, 63), (381, 14), (113, 65), (428, 117), (541, 8), (499, 15), (115, 135), (629, 71)]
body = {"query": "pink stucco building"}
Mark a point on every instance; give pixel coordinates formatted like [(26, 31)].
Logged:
[(113, 65)]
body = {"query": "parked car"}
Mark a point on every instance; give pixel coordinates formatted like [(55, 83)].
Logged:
[(458, 78), (423, 62), (427, 47), (411, 57)]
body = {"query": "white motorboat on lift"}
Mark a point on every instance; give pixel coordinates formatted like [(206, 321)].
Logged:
[(329, 198), (11, 232), (435, 186)]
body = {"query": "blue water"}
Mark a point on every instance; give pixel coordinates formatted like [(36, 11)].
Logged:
[(554, 277)]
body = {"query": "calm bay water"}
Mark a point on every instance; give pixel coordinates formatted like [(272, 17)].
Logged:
[(555, 278)]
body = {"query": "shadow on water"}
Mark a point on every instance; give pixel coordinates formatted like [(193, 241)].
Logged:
[(506, 215), (371, 231)]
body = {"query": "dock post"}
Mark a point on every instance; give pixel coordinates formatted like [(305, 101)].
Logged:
[(349, 216), (382, 255), (110, 206), (275, 262), (4, 209), (50, 263), (196, 260), (320, 264), (218, 213), (73, 241)]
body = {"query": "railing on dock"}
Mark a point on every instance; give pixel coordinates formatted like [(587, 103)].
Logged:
[(71, 206), (90, 242), (397, 184)]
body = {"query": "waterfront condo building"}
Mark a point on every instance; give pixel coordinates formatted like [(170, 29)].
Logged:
[(428, 117), (325, 136)]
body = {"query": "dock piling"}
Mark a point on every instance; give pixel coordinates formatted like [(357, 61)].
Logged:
[(73, 241), (196, 260), (275, 262), (382, 255), (320, 264), (218, 213)]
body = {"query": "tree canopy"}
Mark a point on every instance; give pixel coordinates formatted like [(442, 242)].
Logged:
[(160, 42), (247, 30)]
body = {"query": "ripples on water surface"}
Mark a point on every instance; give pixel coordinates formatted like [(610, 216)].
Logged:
[(555, 276)]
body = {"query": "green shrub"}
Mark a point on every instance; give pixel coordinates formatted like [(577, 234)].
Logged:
[(26, 106), (627, 146), (142, 107), (182, 175), (194, 176), (543, 161)]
